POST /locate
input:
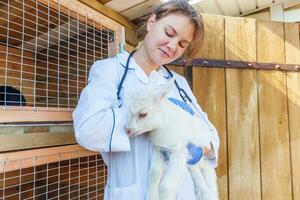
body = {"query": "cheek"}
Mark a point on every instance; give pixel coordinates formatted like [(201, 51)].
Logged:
[(155, 39)]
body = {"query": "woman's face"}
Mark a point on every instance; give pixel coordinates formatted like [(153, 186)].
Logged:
[(168, 38)]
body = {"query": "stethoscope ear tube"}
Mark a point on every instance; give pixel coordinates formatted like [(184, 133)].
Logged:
[(181, 92), (184, 96), (124, 75)]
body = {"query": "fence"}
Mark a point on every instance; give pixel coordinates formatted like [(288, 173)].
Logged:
[(256, 111), (68, 172)]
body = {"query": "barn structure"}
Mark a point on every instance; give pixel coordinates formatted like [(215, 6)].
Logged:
[(246, 77)]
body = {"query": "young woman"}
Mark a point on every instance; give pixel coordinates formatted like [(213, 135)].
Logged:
[(174, 29)]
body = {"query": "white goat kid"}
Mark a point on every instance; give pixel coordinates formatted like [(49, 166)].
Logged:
[(170, 128)]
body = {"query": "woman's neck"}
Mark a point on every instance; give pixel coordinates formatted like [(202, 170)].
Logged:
[(142, 59)]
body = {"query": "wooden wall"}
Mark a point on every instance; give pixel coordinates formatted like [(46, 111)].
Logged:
[(256, 112)]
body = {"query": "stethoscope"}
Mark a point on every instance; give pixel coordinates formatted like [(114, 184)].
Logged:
[(184, 96)]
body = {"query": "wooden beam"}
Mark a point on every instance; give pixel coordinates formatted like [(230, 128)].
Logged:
[(40, 114), (286, 4), (42, 156), (13, 142), (290, 3), (109, 13), (130, 28)]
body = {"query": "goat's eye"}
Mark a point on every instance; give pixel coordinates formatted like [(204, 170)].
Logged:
[(142, 115)]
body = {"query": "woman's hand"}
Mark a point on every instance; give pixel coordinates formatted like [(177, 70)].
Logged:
[(209, 153)]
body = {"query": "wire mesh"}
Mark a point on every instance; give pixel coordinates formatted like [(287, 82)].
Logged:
[(46, 50), (76, 174)]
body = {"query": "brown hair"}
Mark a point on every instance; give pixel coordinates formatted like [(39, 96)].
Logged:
[(184, 8)]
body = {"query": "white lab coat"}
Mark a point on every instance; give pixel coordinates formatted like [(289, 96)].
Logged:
[(99, 125)]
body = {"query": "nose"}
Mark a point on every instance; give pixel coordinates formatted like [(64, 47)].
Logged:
[(172, 44), (129, 131)]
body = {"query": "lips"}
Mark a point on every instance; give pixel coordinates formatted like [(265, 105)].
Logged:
[(165, 53)]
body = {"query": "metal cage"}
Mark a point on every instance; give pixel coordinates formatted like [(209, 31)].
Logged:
[(46, 50)]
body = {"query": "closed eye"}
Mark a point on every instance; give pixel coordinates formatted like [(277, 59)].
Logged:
[(182, 45), (169, 34), (142, 115)]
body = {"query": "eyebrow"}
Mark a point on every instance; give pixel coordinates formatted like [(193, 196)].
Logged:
[(173, 29)]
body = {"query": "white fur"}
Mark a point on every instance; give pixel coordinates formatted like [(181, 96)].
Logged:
[(170, 127)]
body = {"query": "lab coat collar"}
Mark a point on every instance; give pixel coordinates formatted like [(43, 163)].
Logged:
[(141, 75)]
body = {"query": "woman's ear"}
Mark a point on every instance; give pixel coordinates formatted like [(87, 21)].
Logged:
[(151, 21)]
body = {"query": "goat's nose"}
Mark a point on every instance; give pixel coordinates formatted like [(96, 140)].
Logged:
[(128, 130)]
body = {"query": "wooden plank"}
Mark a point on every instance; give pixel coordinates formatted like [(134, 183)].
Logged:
[(34, 140), (209, 89), (66, 152), (242, 111), (270, 37), (239, 39), (213, 43), (274, 135), (7, 116), (292, 47)]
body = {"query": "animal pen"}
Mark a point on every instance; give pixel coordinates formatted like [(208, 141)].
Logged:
[(246, 77)]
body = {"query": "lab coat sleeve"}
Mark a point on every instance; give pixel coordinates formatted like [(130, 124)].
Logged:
[(99, 123), (215, 140)]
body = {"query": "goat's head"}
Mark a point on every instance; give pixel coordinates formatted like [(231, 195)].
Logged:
[(144, 106)]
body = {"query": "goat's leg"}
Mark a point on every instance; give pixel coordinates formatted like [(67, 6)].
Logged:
[(157, 167), (202, 189), (173, 175), (210, 178)]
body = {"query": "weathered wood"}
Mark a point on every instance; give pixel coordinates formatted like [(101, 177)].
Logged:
[(27, 114), (213, 43), (209, 89), (242, 111), (292, 49), (273, 120), (177, 69), (54, 154), (35, 140)]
